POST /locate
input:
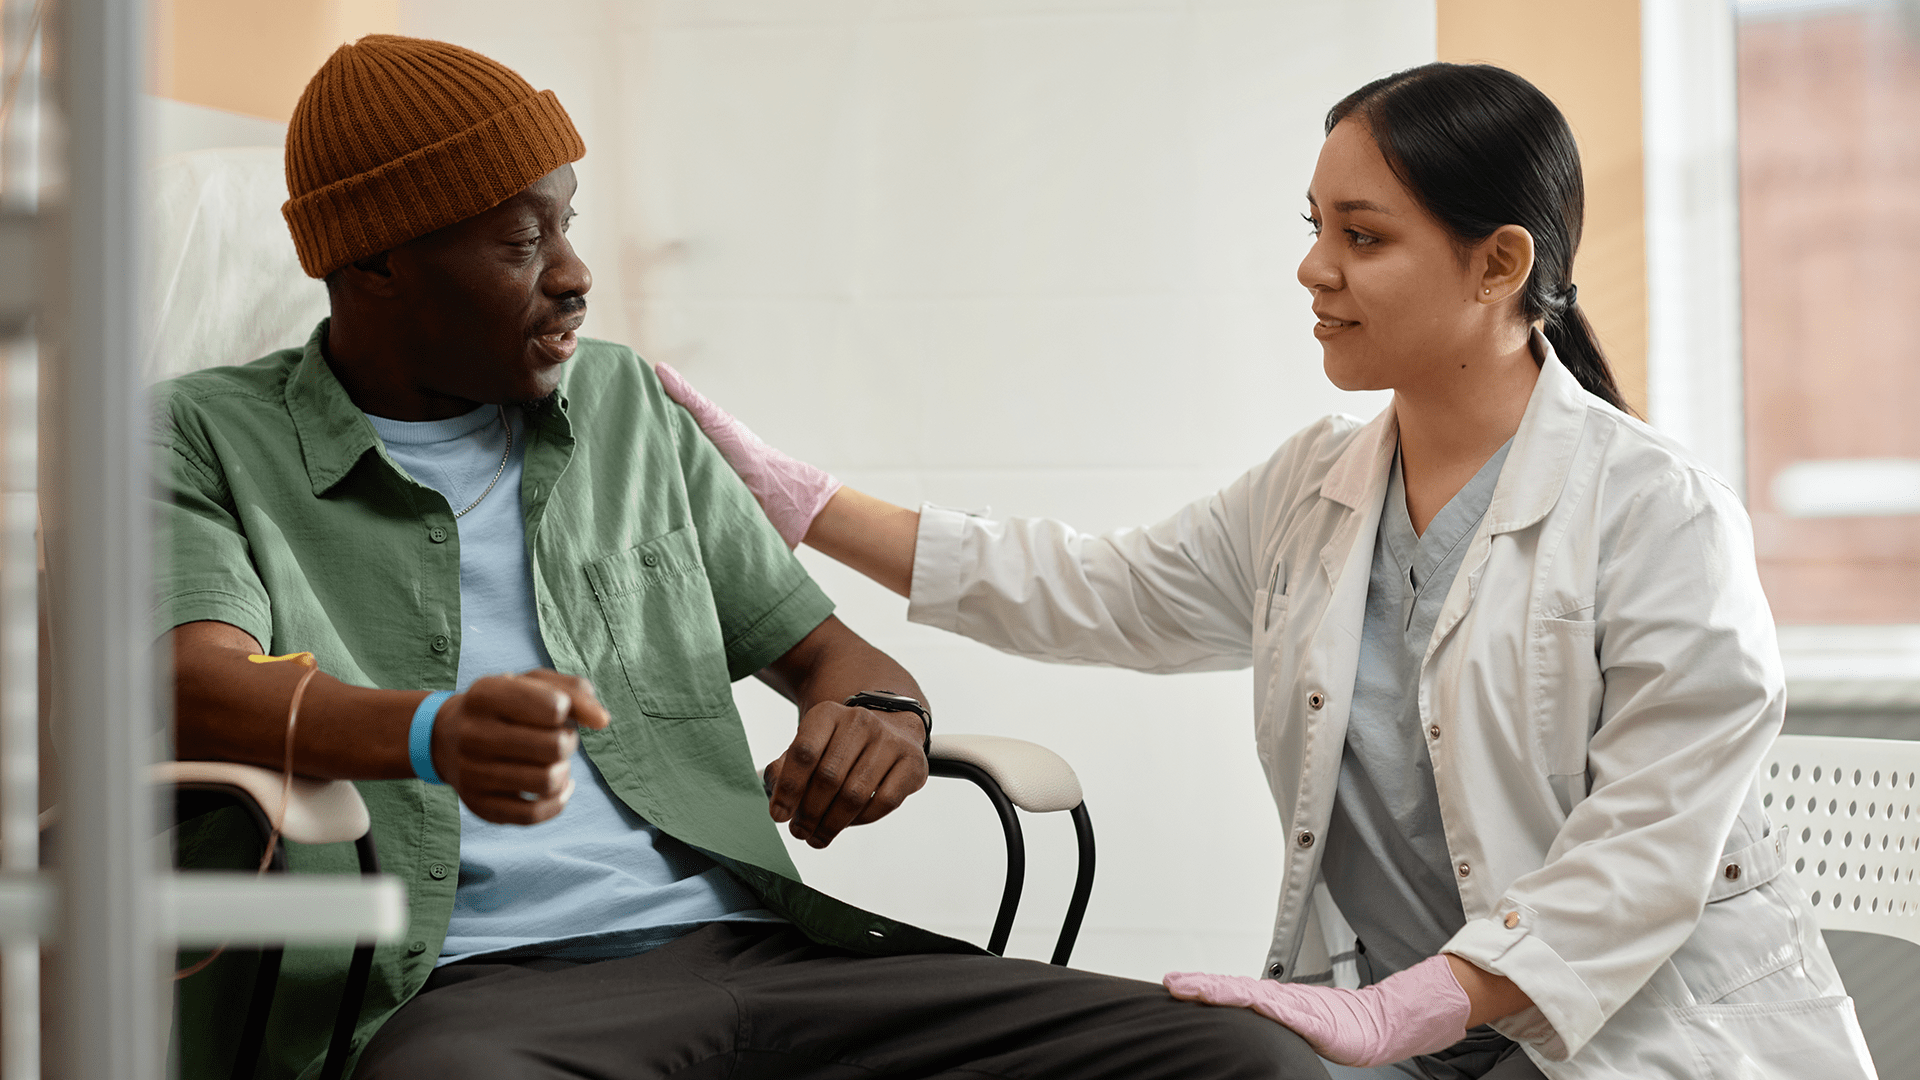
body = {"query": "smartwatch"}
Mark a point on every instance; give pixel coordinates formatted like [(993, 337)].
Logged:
[(888, 701)]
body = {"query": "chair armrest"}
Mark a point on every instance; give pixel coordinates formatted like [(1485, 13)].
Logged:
[(1034, 778), (320, 811)]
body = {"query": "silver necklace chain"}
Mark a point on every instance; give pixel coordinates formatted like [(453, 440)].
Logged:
[(496, 473)]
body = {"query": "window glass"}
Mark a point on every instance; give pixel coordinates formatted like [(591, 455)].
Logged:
[(1829, 102)]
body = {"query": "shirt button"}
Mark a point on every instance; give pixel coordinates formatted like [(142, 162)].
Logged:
[(438, 871), (1465, 870), (1274, 971), (1316, 699), (437, 534), (439, 643), (650, 559), (1733, 871), (1433, 731), (416, 947), (1513, 919), (1305, 839)]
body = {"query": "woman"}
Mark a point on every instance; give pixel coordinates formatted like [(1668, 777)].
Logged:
[(1514, 671)]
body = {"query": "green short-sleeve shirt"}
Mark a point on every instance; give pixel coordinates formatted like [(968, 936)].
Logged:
[(655, 576)]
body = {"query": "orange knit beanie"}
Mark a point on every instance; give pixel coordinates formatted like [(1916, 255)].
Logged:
[(395, 137)]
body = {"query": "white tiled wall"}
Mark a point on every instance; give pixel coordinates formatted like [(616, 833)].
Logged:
[(1037, 254)]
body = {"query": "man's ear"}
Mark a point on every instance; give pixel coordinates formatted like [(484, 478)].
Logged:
[(372, 275), (1505, 261)]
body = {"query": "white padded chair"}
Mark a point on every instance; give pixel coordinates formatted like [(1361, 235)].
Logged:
[(1849, 812), (229, 289)]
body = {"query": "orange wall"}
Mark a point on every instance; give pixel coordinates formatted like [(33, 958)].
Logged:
[(255, 56), (1585, 54)]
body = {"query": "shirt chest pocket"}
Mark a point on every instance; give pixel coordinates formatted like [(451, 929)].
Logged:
[(660, 618)]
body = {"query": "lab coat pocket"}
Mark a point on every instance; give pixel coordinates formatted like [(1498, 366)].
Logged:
[(1273, 657), (1273, 611), (660, 616), (1565, 687), (1270, 603), (1782, 1040), (1746, 950)]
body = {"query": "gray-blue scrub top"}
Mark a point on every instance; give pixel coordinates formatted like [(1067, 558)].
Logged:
[(1386, 862)]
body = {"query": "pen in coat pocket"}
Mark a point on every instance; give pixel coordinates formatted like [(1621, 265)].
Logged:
[(1276, 588)]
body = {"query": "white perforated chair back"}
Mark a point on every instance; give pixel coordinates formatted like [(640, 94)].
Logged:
[(1851, 811)]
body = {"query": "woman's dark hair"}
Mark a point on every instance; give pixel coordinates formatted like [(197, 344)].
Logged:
[(1481, 147)]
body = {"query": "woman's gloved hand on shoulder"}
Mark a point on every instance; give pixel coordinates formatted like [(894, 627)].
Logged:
[(791, 492)]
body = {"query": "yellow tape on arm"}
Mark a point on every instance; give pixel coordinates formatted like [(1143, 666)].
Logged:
[(304, 659)]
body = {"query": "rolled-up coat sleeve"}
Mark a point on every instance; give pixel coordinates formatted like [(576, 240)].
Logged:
[(1693, 695)]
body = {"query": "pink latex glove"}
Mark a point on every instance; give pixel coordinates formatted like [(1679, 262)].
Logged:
[(1416, 1011), (792, 493)]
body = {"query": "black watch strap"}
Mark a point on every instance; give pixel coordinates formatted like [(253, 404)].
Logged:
[(888, 701)]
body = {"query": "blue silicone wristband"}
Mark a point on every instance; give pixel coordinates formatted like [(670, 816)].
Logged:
[(420, 736)]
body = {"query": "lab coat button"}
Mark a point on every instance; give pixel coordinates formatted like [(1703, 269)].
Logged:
[(1305, 839), (1465, 870), (437, 534), (439, 643), (1513, 919), (1733, 871), (1316, 699), (1433, 731)]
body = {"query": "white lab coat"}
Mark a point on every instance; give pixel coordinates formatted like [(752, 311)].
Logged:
[(1601, 686)]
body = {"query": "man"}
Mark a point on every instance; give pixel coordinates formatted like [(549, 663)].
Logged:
[(447, 483)]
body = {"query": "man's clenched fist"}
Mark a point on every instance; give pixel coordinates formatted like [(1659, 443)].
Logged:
[(504, 744)]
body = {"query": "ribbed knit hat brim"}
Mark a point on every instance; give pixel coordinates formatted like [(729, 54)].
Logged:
[(396, 137)]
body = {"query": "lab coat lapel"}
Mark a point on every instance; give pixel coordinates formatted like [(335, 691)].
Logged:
[(1358, 481), (1530, 482)]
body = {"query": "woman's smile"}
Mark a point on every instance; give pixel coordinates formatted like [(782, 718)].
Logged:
[(1327, 326)]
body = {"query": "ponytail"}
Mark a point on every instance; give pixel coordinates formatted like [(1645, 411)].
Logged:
[(1481, 147), (1573, 341)]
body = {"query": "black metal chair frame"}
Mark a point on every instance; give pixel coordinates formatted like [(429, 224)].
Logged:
[(196, 797), (1017, 861)]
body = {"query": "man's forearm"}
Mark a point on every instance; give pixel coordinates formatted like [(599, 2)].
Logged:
[(503, 743), (229, 709), (832, 664)]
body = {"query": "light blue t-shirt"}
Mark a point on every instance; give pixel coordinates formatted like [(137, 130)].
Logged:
[(1386, 863), (597, 880)]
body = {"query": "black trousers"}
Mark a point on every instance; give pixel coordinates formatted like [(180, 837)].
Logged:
[(759, 1001)]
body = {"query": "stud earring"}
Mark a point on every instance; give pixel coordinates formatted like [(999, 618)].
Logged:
[(1489, 292)]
